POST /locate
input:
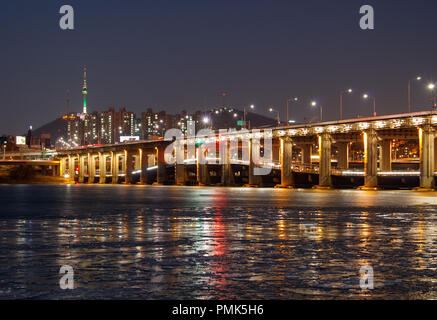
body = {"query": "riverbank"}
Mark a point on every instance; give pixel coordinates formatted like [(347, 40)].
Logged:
[(7, 178)]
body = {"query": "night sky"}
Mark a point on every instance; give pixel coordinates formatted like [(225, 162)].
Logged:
[(176, 55)]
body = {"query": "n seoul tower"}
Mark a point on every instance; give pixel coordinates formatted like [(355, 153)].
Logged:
[(84, 90)]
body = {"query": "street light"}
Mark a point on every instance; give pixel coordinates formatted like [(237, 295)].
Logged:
[(4, 149), (314, 104), (366, 96), (290, 100), (431, 87), (409, 92), (341, 101), (277, 113), (244, 114)]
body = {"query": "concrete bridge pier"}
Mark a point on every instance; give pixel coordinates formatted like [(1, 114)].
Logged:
[(128, 165), (227, 178), (180, 175), (62, 165), (370, 160), (203, 178), (307, 150), (143, 165), (427, 148), (254, 180), (91, 168), (81, 169), (325, 142), (343, 155), (161, 173), (285, 157), (71, 167), (385, 155), (114, 167), (102, 168)]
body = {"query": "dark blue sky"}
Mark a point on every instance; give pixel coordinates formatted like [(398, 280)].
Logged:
[(176, 55)]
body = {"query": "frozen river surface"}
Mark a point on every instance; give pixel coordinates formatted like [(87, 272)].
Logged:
[(152, 242)]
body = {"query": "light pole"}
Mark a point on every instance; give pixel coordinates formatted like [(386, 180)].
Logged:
[(207, 121), (409, 92), (314, 104), (244, 114), (290, 100), (341, 101), (4, 150), (277, 113), (431, 87), (366, 96)]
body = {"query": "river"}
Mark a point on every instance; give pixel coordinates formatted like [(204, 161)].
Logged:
[(169, 242)]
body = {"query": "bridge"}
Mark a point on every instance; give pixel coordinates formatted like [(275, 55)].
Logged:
[(317, 153), (46, 166)]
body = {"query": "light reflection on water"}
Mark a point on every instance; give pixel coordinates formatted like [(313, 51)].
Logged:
[(145, 242)]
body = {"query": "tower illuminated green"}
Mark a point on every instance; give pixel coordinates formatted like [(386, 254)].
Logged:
[(84, 90)]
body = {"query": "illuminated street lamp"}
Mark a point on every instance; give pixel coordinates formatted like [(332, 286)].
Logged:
[(277, 113), (341, 101), (409, 92), (244, 114), (366, 96), (4, 149), (431, 87), (314, 104), (290, 100)]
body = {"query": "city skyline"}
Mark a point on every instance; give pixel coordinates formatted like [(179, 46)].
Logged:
[(258, 56), (222, 157)]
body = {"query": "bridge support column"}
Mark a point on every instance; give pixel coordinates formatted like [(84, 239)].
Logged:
[(325, 143), (427, 149), (385, 155), (55, 170), (179, 164), (71, 167), (161, 173), (62, 165), (128, 165), (254, 180), (203, 178), (114, 167), (343, 155), (81, 169), (91, 168), (102, 168), (228, 178), (370, 160), (307, 150), (180, 174), (285, 157), (143, 158)]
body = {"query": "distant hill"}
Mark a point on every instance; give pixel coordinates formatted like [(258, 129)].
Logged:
[(56, 128), (226, 119)]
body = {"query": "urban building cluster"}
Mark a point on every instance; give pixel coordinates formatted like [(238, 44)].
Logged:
[(112, 126)]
